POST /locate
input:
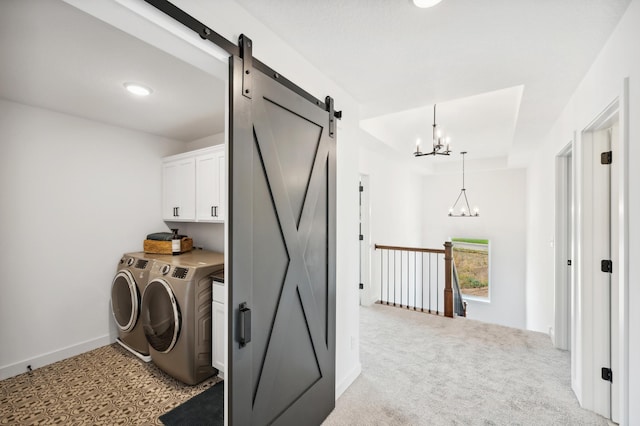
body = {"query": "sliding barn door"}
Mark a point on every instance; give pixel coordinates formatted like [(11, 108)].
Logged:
[(282, 254)]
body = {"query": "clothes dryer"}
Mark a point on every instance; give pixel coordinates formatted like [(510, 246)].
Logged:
[(176, 314), (126, 299)]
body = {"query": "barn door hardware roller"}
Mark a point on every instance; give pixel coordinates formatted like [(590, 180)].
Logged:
[(246, 53)]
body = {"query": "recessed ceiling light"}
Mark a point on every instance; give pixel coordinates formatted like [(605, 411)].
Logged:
[(137, 89), (426, 3)]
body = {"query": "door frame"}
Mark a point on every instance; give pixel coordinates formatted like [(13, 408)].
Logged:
[(581, 360), (366, 295), (564, 238)]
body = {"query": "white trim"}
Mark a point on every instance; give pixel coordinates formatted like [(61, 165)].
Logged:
[(148, 24), (582, 359), (20, 367), (368, 296), (348, 380), (475, 298), (622, 159), (562, 324)]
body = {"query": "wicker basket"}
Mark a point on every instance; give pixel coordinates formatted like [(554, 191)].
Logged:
[(164, 247)]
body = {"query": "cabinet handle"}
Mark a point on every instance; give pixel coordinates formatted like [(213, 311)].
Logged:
[(174, 212), (214, 211), (177, 211)]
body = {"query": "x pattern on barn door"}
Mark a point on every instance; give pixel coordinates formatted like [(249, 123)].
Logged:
[(291, 238)]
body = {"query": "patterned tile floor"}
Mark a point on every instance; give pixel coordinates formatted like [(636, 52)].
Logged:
[(107, 386)]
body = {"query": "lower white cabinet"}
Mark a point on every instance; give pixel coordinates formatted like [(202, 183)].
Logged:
[(218, 329)]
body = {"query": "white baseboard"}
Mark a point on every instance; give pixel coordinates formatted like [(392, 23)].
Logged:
[(348, 380), (11, 370)]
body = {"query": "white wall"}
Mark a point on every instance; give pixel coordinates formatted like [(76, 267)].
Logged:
[(540, 219), (395, 208), (601, 85), (76, 195), (205, 142), (500, 197)]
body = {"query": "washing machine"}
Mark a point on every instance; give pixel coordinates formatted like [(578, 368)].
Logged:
[(176, 314), (126, 300)]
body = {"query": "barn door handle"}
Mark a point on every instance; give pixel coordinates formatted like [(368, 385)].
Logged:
[(245, 324)]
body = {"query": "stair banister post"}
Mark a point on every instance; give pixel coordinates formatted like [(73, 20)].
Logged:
[(448, 289)]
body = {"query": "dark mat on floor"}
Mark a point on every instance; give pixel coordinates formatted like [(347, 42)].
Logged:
[(206, 408)]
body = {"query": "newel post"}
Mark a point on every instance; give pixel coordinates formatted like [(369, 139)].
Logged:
[(448, 289)]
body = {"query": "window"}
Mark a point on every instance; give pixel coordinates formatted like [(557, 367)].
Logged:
[(471, 259)]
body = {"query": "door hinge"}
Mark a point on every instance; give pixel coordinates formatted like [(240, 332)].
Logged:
[(569, 262), (606, 266), (607, 374), (361, 188), (606, 157), (246, 49), (361, 286), (332, 119), (361, 237)]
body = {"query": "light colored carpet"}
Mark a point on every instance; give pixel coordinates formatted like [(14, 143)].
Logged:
[(420, 369)]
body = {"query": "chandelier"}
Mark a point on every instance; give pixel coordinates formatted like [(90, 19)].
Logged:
[(465, 211), (441, 145)]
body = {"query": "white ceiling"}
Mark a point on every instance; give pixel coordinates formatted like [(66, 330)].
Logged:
[(398, 60), (483, 124), (500, 70), (57, 57)]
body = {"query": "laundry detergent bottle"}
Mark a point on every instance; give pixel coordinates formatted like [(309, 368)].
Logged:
[(175, 242)]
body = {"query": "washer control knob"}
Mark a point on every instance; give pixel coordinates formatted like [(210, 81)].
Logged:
[(130, 261), (164, 270)]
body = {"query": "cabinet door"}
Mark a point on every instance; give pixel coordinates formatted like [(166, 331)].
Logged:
[(218, 339), (222, 185), (210, 187), (178, 190)]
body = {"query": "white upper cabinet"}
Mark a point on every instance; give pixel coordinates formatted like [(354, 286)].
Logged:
[(210, 187), (178, 190), (193, 186)]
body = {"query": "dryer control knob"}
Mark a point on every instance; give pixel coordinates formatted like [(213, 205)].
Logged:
[(164, 270), (130, 261)]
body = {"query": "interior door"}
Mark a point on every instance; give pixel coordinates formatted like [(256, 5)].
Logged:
[(602, 280), (282, 254)]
